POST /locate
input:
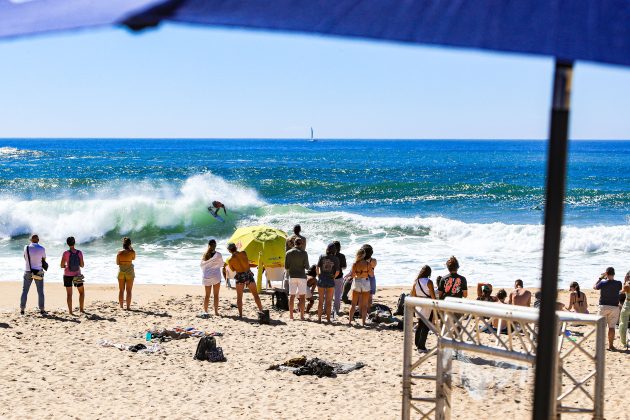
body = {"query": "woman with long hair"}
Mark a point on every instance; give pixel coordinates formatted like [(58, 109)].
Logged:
[(126, 273), (423, 287), (577, 299), (360, 285), (211, 267), (327, 270)]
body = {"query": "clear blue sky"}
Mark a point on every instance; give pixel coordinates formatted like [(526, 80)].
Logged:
[(184, 81)]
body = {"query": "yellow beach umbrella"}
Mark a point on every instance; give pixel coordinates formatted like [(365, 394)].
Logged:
[(264, 245)]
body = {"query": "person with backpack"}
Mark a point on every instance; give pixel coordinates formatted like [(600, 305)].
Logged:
[(126, 272), (211, 267), (35, 264), (72, 262), (327, 271), (423, 288)]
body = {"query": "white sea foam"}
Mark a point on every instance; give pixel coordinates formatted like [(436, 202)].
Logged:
[(123, 209), (161, 218), (14, 152)]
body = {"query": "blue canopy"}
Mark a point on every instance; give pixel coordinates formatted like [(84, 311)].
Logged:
[(591, 30)]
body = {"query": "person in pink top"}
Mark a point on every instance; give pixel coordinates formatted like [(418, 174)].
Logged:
[(72, 262)]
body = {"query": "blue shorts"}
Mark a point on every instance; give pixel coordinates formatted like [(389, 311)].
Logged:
[(372, 284), (325, 282)]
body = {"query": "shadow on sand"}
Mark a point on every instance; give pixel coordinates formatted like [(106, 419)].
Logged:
[(152, 313)]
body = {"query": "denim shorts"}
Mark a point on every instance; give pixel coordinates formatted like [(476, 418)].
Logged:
[(325, 283), (361, 285)]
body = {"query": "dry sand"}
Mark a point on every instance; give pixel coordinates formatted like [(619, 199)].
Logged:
[(51, 367)]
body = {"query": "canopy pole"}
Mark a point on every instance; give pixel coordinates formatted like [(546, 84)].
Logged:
[(259, 273), (545, 391)]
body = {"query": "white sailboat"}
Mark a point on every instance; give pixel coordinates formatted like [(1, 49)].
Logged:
[(312, 138)]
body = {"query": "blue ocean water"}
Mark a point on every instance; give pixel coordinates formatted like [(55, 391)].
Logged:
[(416, 201)]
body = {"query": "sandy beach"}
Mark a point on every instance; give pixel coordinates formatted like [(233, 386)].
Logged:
[(52, 366)]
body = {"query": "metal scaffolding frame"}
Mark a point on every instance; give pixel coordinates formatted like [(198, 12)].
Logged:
[(458, 325)]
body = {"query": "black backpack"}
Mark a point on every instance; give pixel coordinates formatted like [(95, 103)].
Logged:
[(280, 300), (74, 261), (205, 345), (400, 306), (263, 317)]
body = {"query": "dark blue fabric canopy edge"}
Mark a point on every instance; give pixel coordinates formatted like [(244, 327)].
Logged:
[(589, 30)]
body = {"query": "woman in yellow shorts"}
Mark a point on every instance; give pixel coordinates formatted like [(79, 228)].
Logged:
[(124, 259)]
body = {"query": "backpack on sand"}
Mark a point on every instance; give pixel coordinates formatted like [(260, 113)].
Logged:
[(280, 300), (263, 317), (74, 261), (205, 345), (400, 306)]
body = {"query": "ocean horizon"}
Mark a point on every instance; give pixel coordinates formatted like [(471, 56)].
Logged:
[(416, 201)]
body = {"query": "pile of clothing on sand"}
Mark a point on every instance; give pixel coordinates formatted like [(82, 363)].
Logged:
[(318, 367)]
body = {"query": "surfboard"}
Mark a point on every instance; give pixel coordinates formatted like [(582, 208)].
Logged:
[(216, 216)]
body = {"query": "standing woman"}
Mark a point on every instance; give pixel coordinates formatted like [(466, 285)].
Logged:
[(126, 274), (360, 285), (371, 264), (423, 288), (327, 271), (625, 312), (72, 262), (211, 266), (577, 299)]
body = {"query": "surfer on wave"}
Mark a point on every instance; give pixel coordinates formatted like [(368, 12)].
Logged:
[(217, 206)]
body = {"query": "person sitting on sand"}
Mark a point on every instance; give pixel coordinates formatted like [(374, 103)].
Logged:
[(311, 285), (296, 234), (360, 286), (126, 273), (423, 287), (537, 299), (609, 301), (484, 293), (296, 264), (501, 296), (520, 296), (217, 206), (327, 270), (34, 261), (577, 299), (72, 262), (625, 312), (211, 267), (239, 263), (453, 285)]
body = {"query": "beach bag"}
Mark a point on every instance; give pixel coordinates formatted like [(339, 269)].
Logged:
[(205, 344), (280, 300), (74, 261), (400, 306), (263, 317)]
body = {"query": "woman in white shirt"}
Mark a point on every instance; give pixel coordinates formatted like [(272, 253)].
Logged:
[(211, 267), (423, 287)]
